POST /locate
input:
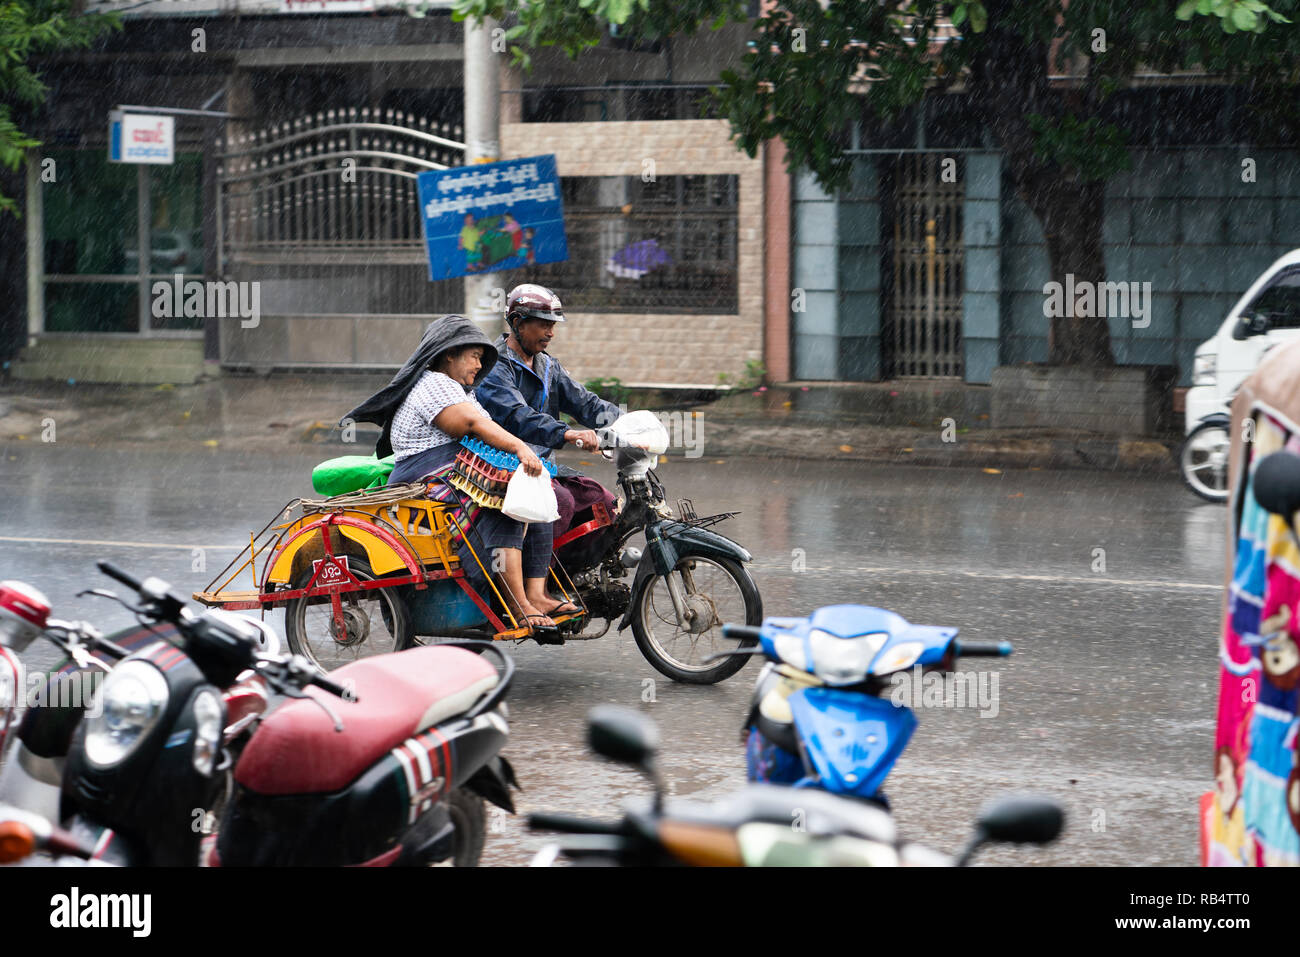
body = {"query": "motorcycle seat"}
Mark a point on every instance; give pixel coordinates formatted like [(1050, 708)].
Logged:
[(297, 751)]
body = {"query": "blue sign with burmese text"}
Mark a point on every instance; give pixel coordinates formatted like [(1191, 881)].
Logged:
[(492, 216)]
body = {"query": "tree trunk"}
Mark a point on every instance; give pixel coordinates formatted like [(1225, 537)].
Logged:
[(13, 267), (1071, 215), (1009, 82)]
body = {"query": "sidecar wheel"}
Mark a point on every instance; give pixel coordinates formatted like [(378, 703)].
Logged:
[(720, 591), (376, 623)]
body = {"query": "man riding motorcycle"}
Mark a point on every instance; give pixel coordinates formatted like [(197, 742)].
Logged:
[(526, 392)]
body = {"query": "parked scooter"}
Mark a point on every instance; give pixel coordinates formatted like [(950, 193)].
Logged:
[(392, 773), (817, 718), (762, 825), (38, 719)]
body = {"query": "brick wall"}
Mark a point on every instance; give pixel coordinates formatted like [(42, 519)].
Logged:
[(658, 348)]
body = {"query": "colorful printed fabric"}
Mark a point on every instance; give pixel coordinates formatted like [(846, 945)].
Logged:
[(1253, 815)]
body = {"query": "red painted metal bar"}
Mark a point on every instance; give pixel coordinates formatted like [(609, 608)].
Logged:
[(600, 521)]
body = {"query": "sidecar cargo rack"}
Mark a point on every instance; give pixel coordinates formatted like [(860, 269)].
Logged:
[(233, 600)]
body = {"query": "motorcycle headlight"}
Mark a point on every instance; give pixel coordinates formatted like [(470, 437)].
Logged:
[(208, 721), (1204, 369), (899, 657), (844, 661), (789, 648), (132, 700)]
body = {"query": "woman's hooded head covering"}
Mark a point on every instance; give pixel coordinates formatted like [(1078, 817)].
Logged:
[(442, 335)]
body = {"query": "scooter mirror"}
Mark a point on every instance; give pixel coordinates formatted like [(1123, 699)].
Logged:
[(1022, 820), (1277, 483), (622, 735)]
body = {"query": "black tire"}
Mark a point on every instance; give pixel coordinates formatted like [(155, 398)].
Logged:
[(469, 818), (1203, 461), (381, 613), (654, 614)]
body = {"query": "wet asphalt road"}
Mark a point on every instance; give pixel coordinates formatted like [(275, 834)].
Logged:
[(1107, 704)]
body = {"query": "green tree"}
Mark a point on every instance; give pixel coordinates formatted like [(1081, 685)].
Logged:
[(28, 29), (819, 66)]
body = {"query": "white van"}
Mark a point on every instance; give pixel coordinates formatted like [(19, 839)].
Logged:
[(1266, 316)]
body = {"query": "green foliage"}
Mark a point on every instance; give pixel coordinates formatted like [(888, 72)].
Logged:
[(1089, 149), (752, 378), (31, 28), (815, 68), (1246, 16), (609, 388)]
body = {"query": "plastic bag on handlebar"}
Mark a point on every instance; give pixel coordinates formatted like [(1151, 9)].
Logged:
[(642, 429), (530, 498)]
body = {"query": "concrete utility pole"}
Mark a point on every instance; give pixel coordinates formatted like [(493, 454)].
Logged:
[(482, 145)]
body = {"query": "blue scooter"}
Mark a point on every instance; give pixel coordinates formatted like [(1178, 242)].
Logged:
[(817, 717)]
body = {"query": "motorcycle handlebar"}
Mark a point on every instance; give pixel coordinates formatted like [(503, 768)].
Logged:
[(982, 649), (741, 632), (564, 824), (126, 578), (333, 687)]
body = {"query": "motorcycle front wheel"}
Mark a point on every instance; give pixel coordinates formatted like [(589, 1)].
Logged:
[(374, 623), (718, 591), (1203, 461)]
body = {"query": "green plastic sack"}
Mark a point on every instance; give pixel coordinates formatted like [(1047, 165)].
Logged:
[(348, 473)]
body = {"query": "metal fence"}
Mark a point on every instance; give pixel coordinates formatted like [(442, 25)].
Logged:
[(323, 213)]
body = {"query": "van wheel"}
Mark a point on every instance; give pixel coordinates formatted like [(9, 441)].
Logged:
[(1203, 461)]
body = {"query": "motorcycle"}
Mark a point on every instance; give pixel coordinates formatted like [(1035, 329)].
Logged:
[(763, 825), (401, 781), (377, 570), (816, 718), (37, 722)]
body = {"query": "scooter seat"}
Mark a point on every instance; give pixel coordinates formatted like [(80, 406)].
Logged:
[(297, 751)]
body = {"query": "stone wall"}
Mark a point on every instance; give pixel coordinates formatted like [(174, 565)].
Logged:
[(1132, 400), (658, 349)]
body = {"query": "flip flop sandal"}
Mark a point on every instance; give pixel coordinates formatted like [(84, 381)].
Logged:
[(565, 608), (543, 634)]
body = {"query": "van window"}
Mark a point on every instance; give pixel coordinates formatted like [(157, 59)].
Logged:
[(1279, 301)]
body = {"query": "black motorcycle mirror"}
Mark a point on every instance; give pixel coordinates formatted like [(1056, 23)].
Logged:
[(1022, 819), (628, 737), (1277, 484)]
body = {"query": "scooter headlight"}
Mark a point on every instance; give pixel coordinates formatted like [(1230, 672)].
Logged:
[(789, 648), (208, 722), (131, 701), (900, 657), (844, 661)]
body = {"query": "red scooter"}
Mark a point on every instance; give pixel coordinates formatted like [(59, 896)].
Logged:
[(393, 772)]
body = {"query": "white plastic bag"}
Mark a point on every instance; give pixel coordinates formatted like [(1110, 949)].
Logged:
[(642, 429), (530, 498)]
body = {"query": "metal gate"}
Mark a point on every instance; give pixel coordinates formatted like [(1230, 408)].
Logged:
[(926, 311), (323, 214)]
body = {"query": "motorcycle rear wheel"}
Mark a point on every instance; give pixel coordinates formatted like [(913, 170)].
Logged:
[(381, 615), (469, 819), (718, 588)]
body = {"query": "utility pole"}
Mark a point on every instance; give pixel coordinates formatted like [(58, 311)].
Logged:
[(482, 145)]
